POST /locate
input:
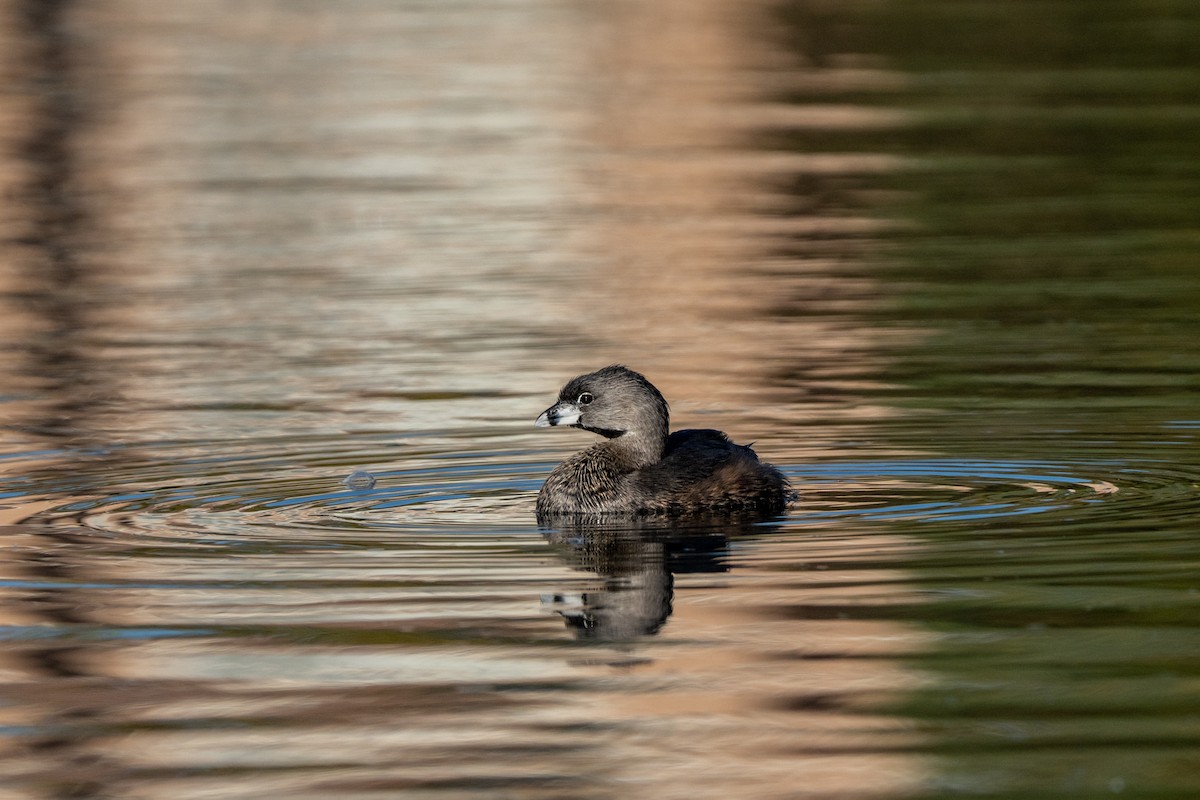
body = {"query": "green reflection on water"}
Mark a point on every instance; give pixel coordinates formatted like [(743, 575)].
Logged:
[(1054, 187), (1049, 245)]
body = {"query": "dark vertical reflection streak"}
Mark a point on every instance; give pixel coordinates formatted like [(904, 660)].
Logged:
[(57, 287), (59, 293)]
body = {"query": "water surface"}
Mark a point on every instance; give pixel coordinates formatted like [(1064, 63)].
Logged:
[(937, 259)]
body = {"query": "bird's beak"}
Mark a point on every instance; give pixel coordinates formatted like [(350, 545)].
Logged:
[(563, 413)]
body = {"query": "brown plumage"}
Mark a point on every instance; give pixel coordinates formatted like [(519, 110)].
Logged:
[(639, 468)]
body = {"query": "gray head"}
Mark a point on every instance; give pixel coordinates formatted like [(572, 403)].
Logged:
[(613, 402)]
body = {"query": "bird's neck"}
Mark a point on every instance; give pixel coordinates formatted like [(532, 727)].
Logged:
[(634, 450)]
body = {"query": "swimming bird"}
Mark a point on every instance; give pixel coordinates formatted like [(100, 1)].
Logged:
[(638, 469)]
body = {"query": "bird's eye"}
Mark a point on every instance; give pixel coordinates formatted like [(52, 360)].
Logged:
[(585, 398)]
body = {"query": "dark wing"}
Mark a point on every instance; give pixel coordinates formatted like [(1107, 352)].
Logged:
[(697, 439), (702, 469)]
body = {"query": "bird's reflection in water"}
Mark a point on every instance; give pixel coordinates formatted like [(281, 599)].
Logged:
[(636, 561)]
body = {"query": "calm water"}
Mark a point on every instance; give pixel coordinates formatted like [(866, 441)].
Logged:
[(940, 260)]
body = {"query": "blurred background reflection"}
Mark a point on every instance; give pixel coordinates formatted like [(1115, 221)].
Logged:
[(937, 259)]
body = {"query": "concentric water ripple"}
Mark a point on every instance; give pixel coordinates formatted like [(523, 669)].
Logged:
[(267, 490)]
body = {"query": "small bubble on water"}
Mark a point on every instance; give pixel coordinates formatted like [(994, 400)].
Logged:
[(1116, 785), (359, 481)]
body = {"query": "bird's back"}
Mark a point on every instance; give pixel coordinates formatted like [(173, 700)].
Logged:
[(702, 470)]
